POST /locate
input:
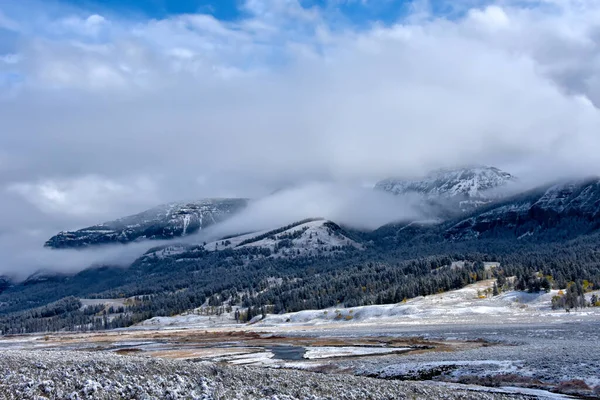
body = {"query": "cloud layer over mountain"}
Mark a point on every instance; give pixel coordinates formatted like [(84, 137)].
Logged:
[(105, 115)]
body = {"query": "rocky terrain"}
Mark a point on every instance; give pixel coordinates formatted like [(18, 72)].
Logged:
[(570, 206), (463, 188), (93, 375), (163, 222)]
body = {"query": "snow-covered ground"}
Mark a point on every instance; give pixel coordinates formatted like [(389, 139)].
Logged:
[(455, 307), (107, 302), (315, 353), (462, 336), (189, 321), (95, 375), (532, 355)]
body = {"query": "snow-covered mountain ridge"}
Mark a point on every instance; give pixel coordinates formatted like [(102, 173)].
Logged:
[(467, 188), (569, 206), (162, 222), (305, 238), (444, 193), (447, 195)]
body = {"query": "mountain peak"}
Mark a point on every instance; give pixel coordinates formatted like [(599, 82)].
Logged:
[(469, 186), (309, 237), (469, 182), (162, 222), (560, 210)]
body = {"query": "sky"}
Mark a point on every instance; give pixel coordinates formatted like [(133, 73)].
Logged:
[(111, 107)]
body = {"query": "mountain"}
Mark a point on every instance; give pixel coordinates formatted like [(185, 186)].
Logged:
[(559, 211), (308, 237), (449, 190), (162, 222), (314, 264), (303, 238)]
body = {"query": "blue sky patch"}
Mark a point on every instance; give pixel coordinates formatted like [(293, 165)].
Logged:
[(158, 9)]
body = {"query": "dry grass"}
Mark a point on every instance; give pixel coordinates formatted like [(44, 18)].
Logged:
[(208, 344), (128, 352)]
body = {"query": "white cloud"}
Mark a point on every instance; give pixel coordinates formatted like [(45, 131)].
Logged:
[(89, 26), (10, 59), (484, 88), (361, 208), (492, 17), (8, 23), (85, 196), (472, 85)]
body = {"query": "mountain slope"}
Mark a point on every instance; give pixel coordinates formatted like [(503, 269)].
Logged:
[(563, 210), (463, 189), (308, 237), (162, 222), (303, 238)]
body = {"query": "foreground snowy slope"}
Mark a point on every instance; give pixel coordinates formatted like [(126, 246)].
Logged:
[(473, 305), (95, 375), (469, 304), (162, 222)]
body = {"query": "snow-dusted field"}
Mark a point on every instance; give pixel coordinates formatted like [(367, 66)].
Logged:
[(554, 356), (315, 353), (83, 375), (513, 339), (463, 306), (454, 307)]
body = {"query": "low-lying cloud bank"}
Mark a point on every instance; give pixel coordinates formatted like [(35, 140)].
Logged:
[(22, 256), (361, 208)]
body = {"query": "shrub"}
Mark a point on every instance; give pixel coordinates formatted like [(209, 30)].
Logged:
[(573, 384)]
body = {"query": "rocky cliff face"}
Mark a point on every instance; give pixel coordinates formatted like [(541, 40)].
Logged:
[(462, 189), (162, 222), (562, 210)]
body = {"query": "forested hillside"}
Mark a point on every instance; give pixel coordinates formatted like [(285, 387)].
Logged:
[(379, 274), (546, 238)]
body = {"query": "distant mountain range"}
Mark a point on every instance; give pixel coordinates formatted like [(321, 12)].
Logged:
[(163, 222), (445, 193), (467, 203)]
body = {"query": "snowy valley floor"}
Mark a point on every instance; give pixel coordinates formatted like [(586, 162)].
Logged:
[(512, 340)]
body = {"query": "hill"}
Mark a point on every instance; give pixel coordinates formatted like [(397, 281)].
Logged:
[(163, 222)]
